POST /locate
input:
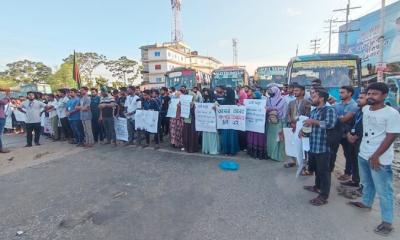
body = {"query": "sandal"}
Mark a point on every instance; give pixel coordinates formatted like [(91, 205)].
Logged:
[(318, 201), (359, 205), (305, 172), (289, 165), (311, 189), (383, 229)]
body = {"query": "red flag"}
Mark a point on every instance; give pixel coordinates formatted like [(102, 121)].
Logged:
[(75, 72)]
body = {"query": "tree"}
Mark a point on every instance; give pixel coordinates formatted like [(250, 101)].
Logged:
[(87, 62), (122, 68), (118, 84), (26, 71), (101, 81), (6, 81), (62, 78)]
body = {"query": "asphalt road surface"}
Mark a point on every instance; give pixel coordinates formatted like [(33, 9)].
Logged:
[(133, 193)]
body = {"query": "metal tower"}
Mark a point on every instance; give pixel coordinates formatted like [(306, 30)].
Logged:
[(235, 51), (176, 34)]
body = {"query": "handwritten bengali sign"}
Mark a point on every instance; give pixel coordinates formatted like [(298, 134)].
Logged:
[(205, 117), (231, 117)]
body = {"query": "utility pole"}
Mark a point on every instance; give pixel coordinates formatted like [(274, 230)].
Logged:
[(382, 66), (315, 44), (330, 21), (297, 50), (347, 30), (235, 51)]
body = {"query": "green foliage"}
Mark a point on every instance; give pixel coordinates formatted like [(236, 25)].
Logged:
[(26, 71), (122, 67), (6, 81), (101, 81), (62, 78), (87, 62)]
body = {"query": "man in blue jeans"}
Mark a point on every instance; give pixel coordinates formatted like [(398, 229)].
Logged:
[(74, 117), (3, 103), (376, 154)]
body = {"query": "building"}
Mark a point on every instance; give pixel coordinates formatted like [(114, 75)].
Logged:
[(158, 59)]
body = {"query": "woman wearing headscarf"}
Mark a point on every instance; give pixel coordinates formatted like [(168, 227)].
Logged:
[(190, 136), (255, 140), (228, 137), (210, 140), (276, 109), (176, 126)]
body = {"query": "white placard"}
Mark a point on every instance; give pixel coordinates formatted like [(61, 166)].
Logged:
[(146, 120), (121, 129), (231, 117), (8, 124), (47, 128), (185, 105), (173, 105), (255, 115), (19, 116), (205, 117)]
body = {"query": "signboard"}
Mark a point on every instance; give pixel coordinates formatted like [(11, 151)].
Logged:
[(173, 105), (121, 129), (19, 116), (146, 120), (185, 100), (231, 117), (365, 43), (205, 117), (255, 115)]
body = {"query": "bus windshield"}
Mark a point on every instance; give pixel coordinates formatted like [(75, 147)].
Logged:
[(332, 73), (272, 74), (228, 78)]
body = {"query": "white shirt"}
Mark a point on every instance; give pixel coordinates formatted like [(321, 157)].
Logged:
[(33, 109), (53, 112), (375, 125), (131, 105), (62, 107)]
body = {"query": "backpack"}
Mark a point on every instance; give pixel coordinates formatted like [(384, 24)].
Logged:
[(333, 135)]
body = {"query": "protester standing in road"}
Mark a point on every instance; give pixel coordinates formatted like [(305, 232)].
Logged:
[(33, 109), (107, 107), (86, 116), (381, 127), (3, 103), (322, 118), (74, 117), (97, 128), (131, 105)]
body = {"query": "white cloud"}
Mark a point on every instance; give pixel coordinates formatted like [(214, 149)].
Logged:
[(293, 12)]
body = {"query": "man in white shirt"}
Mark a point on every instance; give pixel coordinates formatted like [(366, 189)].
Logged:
[(33, 109), (381, 127), (62, 114), (131, 105), (52, 110)]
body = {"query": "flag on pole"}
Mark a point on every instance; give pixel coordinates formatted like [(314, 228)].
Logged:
[(75, 72)]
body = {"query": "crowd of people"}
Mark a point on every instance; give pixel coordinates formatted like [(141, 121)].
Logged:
[(366, 129)]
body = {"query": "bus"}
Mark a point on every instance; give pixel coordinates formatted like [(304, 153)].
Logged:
[(334, 71), (229, 77), (269, 74), (186, 77)]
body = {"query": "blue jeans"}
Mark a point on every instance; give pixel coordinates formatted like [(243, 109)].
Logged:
[(77, 130), (377, 181), (2, 124)]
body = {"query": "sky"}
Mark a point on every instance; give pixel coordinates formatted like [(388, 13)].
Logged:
[(268, 31)]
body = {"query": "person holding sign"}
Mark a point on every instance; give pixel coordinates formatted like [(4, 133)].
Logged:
[(256, 140), (176, 125), (210, 140), (149, 104), (228, 137), (276, 109), (190, 136)]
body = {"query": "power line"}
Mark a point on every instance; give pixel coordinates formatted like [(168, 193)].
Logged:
[(347, 30), (315, 44)]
